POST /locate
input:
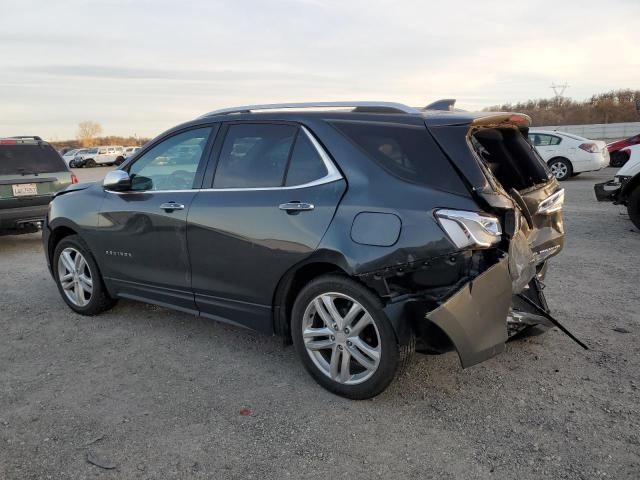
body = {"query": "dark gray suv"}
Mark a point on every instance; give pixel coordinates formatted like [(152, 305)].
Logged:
[(358, 231)]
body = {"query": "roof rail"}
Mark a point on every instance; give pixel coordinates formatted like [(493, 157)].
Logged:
[(27, 137), (389, 107)]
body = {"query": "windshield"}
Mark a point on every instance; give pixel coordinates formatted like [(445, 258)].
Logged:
[(28, 159)]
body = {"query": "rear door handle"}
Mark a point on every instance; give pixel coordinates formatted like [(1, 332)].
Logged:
[(295, 207), (170, 206)]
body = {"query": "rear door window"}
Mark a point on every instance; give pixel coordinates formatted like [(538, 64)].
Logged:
[(27, 159), (406, 151), (254, 155), (543, 140), (305, 165)]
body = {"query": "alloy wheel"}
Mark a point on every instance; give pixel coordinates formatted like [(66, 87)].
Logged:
[(559, 170), (342, 338), (75, 277)]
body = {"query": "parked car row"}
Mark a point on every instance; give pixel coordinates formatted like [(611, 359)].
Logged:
[(92, 157)]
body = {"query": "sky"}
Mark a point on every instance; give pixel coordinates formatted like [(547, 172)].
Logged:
[(139, 67)]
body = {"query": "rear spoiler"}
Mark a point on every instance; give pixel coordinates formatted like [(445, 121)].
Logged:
[(501, 119), (444, 104)]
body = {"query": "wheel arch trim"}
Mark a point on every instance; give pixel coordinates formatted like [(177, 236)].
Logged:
[(320, 263)]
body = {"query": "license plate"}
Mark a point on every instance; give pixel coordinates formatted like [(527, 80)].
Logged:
[(24, 189)]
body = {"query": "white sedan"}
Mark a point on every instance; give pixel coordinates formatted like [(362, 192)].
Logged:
[(568, 155), (70, 155)]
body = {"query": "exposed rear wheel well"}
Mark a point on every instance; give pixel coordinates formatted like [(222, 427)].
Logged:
[(288, 290)]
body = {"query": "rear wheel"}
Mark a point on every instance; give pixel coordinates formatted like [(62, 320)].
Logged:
[(633, 206), (78, 278), (119, 161), (344, 338), (561, 168), (90, 163)]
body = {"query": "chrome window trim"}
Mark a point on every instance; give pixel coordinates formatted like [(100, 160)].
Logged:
[(333, 174)]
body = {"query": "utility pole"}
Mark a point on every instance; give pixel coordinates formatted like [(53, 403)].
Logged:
[(558, 90)]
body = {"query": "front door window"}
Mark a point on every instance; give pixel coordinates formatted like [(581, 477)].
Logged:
[(172, 164)]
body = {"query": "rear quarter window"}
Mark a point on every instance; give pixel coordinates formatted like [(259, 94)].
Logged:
[(407, 152), (25, 159)]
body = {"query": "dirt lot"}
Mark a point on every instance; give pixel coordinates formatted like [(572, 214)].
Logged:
[(157, 394)]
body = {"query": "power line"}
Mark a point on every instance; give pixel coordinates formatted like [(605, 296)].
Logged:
[(558, 90)]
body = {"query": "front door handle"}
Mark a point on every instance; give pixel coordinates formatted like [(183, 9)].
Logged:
[(171, 206), (296, 207)]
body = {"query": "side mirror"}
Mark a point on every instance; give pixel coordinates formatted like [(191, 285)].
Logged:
[(117, 180)]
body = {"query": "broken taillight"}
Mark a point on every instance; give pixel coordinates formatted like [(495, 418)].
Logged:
[(466, 229), (552, 203)]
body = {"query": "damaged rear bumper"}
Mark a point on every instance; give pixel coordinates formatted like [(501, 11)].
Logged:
[(607, 191), (475, 318)]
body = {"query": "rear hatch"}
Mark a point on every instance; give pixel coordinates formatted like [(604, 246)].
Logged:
[(31, 172), (506, 174)]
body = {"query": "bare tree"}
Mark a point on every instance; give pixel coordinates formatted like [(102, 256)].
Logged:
[(608, 107), (87, 132)]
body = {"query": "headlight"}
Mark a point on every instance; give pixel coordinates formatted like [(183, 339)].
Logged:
[(552, 203), (467, 229)]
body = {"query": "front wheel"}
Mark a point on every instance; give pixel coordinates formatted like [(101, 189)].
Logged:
[(633, 206), (78, 278), (344, 338), (561, 168)]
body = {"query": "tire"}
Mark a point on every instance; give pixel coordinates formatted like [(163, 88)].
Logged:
[(633, 206), (90, 163), (357, 380), (119, 161), (561, 168), (86, 302)]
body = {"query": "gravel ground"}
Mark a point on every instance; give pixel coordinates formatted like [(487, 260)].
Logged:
[(151, 393)]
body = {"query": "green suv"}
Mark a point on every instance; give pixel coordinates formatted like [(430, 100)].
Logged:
[(31, 172)]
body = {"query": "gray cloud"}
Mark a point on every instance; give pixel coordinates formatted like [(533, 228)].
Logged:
[(145, 65)]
